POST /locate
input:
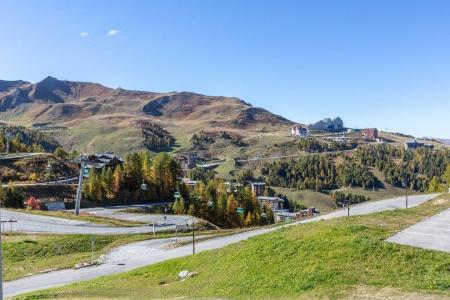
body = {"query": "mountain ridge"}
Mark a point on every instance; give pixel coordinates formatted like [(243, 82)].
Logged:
[(75, 103)]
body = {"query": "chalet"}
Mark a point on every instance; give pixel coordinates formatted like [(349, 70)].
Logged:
[(100, 161), (370, 133), (187, 161), (414, 144)]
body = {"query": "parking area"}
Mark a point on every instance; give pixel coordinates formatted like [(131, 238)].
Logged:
[(432, 233)]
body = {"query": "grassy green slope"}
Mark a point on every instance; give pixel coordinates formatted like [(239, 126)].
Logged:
[(335, 259), (25, 254)]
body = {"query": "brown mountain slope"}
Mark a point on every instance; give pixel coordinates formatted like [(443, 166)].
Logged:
[(102, 118)]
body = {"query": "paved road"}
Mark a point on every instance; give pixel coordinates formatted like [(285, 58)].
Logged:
[(295, 155), (150, 252), (432, 233), (44, 224), (22, 155), (56, 182)]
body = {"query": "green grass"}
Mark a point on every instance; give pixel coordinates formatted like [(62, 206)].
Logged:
[(26, 254), (321, 201), (84, 217), (327, 259)]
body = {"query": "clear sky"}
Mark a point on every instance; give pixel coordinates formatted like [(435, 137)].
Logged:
[(382, 64)]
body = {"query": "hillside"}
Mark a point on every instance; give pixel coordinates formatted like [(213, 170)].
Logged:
[(91, 117), (345, 258)]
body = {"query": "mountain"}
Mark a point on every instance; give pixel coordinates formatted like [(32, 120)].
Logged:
[(99, 118)]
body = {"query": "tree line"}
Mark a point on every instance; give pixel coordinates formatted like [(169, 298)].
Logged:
[(317, 172), (342, 198), (210, 199), (26, 140), (314, 145), (141, 178), (223, 204), (419, 169), (156, 138)]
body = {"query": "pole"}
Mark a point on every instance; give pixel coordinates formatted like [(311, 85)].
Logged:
[(348, 209), (193, 237), (281, 211), (154, 229), (176, 234), (80, 183), (92, 250), (406, 190)]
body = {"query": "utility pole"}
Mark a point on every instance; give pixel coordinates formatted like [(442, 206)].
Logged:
[(193, 237), (8, 137)]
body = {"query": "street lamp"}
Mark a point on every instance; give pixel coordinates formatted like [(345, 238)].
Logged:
[(347, 203), (405, 185), (143, 189), (193, 234), (264, 216)]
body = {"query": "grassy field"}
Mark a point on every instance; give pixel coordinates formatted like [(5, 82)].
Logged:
[(84, 217), (321, 201), (26, 254), (341, 258)]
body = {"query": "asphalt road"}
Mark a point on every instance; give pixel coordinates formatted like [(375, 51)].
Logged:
[(44, 224), (140, 254), (22, 155), (432, 233), (56, 182)]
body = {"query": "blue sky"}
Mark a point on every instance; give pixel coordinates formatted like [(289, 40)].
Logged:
[(382, 64)]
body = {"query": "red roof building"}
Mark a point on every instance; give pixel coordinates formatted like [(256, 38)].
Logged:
[(370, 133)]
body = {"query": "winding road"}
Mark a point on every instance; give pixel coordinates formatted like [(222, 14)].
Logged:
[(135, 255), (34, 223)]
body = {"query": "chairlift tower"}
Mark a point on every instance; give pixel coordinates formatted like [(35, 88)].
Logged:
[(83, 158)]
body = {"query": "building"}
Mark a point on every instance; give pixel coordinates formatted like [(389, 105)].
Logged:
[(299, 130), (273, 202), (283, 215), (101, 160), (327, 124), (414, 144), (258, 188), (370, 133), (188, 181), (187, 161)]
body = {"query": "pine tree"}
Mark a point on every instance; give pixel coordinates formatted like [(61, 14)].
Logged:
[(231, 205), (118, 178), (178, 206), (107, 183), (249, 219)]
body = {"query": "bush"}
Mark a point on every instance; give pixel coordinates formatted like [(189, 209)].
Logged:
[(12, 198)]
